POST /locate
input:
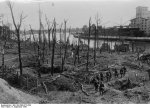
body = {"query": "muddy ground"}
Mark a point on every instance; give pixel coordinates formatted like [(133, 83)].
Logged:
[(63, 87)]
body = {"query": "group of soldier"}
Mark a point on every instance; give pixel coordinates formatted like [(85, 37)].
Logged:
[(99, 79)]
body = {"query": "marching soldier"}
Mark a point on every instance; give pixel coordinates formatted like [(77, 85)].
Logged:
[(121, 72), (107, 76), (110, 75), (96, 83), (98, 77), (101, 88), (101, 77), (116, 73), (124, 70)]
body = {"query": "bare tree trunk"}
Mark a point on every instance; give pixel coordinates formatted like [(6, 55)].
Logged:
[(60, 41), (17, 29), (44, 42), (3, 50), (88, 45), (53, 47), (25, 37), (33, 39), (95, 47), (65, 43), (3, 58), (65, 53), (49, 39), (40, 39), (78, 50), (30, 41), (19, 51), (65, 22), (49, 33)]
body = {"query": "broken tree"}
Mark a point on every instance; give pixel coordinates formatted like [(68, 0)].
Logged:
[(17, 31)]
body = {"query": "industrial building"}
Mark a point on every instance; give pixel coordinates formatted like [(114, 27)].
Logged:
[(142, 19)]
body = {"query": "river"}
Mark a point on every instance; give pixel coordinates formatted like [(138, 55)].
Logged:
[(74, 40)]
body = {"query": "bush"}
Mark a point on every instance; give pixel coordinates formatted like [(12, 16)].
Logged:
[(13, 80)]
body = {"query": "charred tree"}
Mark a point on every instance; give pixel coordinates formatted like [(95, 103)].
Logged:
[(65, 43), (53, 47), (78, 49), (60, 40), (44, 47), (95, 47), (4, 35), (34, 41), (49, 32), (25, 37), (17, 31), (65, 22), (39, 42), (87, 64)]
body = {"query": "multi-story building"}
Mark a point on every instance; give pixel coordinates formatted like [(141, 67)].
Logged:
[(142, 12), (142, 20)]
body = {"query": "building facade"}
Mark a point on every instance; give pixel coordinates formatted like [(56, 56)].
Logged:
[(142, 12), (142, 20)]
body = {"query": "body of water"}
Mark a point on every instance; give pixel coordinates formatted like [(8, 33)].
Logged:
[(73, 40)]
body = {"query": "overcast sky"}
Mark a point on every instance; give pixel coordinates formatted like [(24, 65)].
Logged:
[(111, 12)]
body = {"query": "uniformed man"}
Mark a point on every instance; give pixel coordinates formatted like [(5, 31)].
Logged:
[(98, 77), (121, 72), (124, 70), (96, 83), (107, 76), (101, 88), (101, 77), (116, 73), (110, 75)]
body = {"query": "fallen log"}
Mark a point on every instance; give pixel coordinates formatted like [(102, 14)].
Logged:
[(83, 89)]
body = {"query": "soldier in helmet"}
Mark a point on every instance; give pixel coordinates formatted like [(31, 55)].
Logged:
[(98, 77), (101, 88), (124, 71), (107, 76), (116, 73), (110, 75), (101, 76), (121, 72), (96, 83)]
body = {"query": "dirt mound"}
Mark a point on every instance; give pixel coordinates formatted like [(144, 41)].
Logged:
[(45, 69), (62, 83), (137, 95), (123, 84), (10, 95)]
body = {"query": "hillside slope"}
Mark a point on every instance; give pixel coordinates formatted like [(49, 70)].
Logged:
[(10, 95)]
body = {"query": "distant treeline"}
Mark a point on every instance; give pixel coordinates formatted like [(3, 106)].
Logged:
[(57, 30)]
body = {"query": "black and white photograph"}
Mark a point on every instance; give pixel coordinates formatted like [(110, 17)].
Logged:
[(74, 52)]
